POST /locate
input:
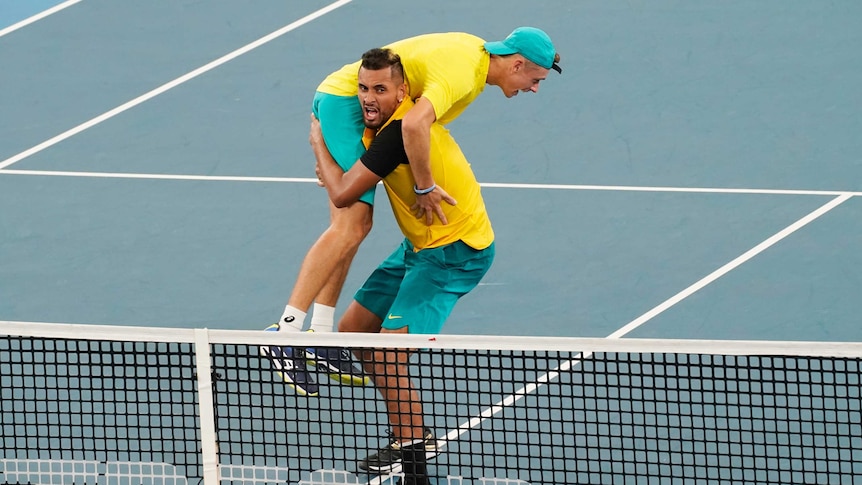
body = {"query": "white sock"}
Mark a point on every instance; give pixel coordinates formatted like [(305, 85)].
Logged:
[(322, 318), (292, 320)]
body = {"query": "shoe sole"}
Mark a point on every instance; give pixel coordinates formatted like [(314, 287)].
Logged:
[(338, 376), (265, 352)]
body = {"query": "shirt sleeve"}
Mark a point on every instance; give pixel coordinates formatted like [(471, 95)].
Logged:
[(386, 151)]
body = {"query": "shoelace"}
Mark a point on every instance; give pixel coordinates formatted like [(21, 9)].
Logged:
[(393, 443)]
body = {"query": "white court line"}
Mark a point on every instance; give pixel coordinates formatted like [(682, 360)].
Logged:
[(156, 176), (608, 188), (38, 16), (172, 84), (632, 188)]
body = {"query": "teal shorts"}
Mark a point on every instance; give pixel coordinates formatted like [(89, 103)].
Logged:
[(341, 123), (419, 289)]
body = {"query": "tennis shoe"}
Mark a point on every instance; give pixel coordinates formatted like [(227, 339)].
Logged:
[(338, 363), (388, 459), (290, 365)]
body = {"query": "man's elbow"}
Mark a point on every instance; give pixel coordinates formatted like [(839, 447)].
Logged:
[(340, 202), (413, 126)]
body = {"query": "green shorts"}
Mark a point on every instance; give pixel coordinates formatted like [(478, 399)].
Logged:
[(341, 123), (419, 289)]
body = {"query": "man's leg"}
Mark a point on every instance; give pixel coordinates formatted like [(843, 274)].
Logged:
[(348, 228), (323, 316), (329, 257), (391, 374), (389, 369), (429, 283), (326, 263)]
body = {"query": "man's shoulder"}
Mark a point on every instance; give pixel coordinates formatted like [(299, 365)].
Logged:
[(393, 122), (391, 133)]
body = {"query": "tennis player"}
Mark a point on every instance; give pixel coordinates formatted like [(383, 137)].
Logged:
[(416, 287), (445, 72)]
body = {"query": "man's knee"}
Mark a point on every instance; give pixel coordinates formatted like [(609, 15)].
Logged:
[(363, 226), (349, 325), (354, 223), (357, 318)]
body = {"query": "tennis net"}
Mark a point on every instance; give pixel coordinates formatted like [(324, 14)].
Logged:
[(127, 405)]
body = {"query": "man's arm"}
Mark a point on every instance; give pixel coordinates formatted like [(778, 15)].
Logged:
[(416, 130), (343, 188)]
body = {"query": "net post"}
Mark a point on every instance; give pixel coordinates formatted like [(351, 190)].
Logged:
[(206, 412)]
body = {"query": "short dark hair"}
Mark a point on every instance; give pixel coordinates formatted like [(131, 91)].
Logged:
[(381, 58)]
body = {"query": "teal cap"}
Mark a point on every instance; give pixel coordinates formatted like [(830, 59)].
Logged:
[(530, 42)]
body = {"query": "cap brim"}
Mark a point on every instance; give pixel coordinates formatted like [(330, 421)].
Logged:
[(499, 49), (557, 68)]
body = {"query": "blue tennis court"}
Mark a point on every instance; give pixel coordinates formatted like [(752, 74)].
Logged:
[(694, 172), (679, 137)]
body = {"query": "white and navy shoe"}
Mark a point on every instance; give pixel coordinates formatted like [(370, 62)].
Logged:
[(338, 363), (290, 365)]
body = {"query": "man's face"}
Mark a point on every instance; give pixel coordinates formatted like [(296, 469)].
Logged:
[(523, 76), (379, 95)]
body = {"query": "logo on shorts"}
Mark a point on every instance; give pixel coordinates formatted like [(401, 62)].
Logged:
[(392, 317)]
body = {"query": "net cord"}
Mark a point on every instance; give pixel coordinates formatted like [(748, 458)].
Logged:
[(442, 341)]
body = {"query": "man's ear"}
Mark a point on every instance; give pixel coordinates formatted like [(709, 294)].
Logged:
[(518, 63), (402, 91)]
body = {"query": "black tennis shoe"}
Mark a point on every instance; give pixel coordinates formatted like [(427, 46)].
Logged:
[(388, 459)]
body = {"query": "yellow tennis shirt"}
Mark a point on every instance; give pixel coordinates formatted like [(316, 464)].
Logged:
[(468, 219), (448, 69)]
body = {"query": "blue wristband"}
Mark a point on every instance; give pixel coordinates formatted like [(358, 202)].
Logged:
[(419, 191)]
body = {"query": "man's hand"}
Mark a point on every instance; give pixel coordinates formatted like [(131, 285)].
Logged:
[(315, 139), (317, 172), (315, 135), (429, 204)]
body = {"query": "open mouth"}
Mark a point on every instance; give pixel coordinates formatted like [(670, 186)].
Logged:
[(371, 113)]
